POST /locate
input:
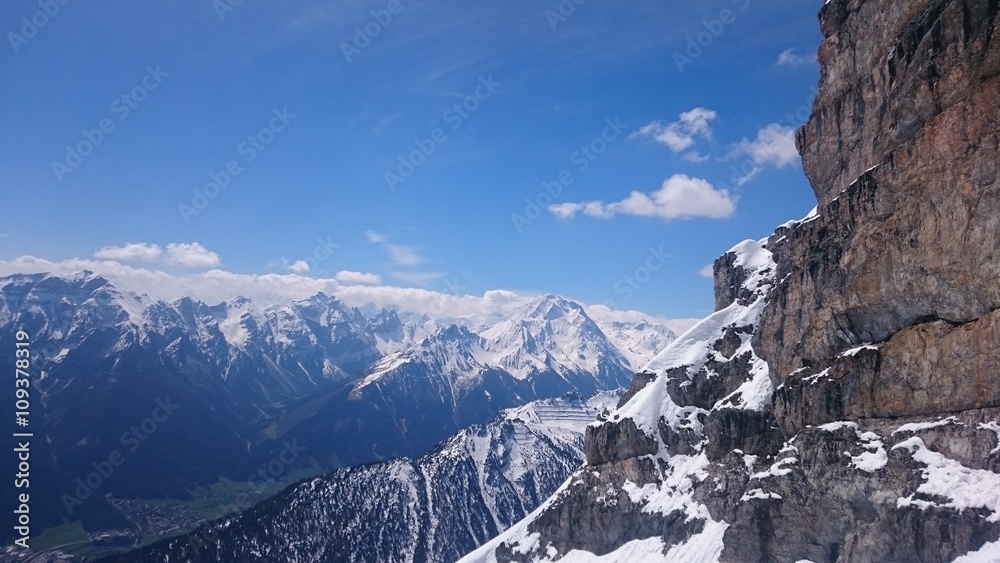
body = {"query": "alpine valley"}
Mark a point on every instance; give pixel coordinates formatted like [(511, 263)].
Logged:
[(158, 415)]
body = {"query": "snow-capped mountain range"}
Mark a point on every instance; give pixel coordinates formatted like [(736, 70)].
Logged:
[(433, 508), (349, 387)]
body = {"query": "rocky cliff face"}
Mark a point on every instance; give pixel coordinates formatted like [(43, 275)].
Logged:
[(843, 403)]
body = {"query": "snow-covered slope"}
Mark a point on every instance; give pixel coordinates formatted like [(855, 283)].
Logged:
[(457, 377), (639, 340), (704, 459), (669, 434), (433, 508), (550, 335)]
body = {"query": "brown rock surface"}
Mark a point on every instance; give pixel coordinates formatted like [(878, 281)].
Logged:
[(902, 150)]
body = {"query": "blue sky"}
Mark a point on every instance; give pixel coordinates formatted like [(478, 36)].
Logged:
[(668, 123)]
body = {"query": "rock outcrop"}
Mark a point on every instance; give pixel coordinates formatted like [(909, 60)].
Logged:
[(843, 403)]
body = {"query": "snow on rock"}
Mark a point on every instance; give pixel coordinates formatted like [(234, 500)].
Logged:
[(675, 492), (989, 553), (992, 425), (693, 349), (962, 486), (858, 349), (874, 458), (759, 494), (873, 455), (920, 426)]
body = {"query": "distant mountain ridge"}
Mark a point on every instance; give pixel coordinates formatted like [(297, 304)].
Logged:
[(348, 387), (430, 509)]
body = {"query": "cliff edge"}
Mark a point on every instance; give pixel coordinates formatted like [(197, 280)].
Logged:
[(843, 402)]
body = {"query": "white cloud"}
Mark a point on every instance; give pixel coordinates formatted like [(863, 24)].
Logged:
[(681, 134), (215, 286), (355, 278), (707, 271), (141, 252), (403, 255), (694, 156), (680, 196), (774, 146), (399, 254), (298, 267), (375, 237), (789, 58), (192, 255), (419, 278)]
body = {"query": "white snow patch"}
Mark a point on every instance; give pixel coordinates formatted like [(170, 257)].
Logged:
[(989, 553), (759, 494), (962, 486), (529, 544), (992, 425), (873, 460), (918, 426), (857, 350), (676, 492), (834, 426), (777, 469), (650, 550), (755, 393), (703, 547), (813, 379)]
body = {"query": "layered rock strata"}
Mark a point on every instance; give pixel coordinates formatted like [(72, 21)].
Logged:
[(843, 403)]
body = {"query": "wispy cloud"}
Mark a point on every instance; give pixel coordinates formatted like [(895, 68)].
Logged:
[(682, 134), (403, 255), (375, 237), (383, 122), (774, 146), (789, 57), (680, 196), (707, 271), (399, 254), (298, 267)]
